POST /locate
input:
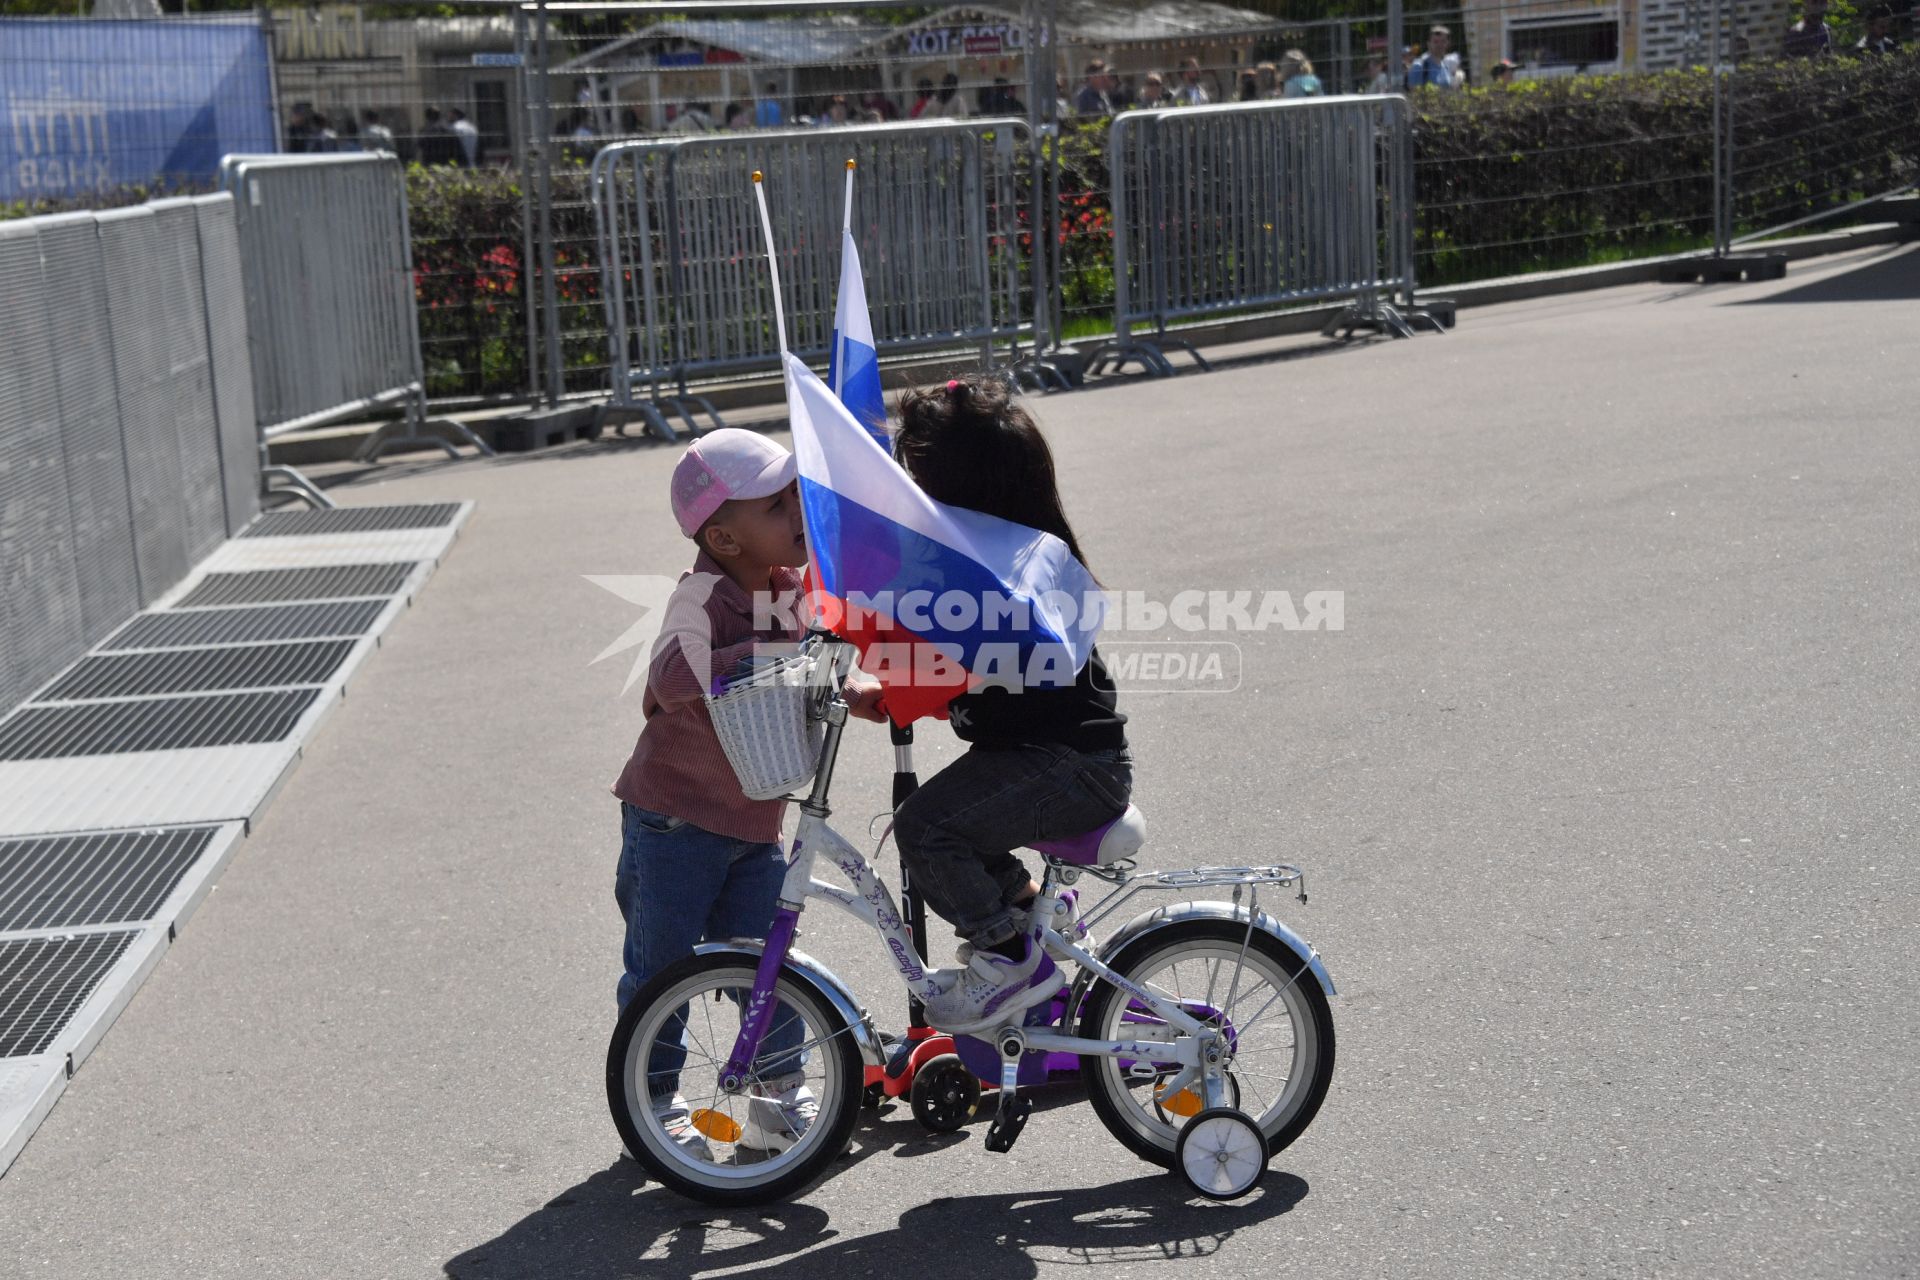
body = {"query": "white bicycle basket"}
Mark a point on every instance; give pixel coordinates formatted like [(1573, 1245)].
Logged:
[(762, 722)]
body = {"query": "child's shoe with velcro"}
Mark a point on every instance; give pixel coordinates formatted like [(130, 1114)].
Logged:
[(994, 990)]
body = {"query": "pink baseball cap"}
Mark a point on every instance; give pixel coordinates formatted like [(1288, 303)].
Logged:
[(724, 465)]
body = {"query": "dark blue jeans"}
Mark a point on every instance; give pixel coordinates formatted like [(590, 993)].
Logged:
[(679, 884), (957, 833)]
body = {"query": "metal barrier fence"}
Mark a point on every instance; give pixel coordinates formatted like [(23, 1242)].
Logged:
[(936, 213), (1219, 209), (126, 420), (329, 287)]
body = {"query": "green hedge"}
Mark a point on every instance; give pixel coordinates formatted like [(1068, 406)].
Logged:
[(1589, 169), (468, 279), (472, 285)]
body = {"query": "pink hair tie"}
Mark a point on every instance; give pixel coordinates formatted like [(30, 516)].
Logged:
[(953, 385)]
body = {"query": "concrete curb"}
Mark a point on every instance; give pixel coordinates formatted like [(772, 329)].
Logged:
[(1647, 270)]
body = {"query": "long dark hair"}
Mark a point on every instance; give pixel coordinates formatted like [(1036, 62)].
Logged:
[(968, 444)]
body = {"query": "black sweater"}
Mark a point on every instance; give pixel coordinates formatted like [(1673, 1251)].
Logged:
[(1083, 715)]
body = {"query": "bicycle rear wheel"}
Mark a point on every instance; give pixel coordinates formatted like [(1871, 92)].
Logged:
[(758, 1151), (1279, 1033)]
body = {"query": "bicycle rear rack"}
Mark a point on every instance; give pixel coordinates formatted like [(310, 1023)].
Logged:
[(1240, 878)]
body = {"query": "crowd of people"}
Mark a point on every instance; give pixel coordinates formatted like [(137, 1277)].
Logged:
[(450, 138), (447, 138), (1434, 65), (1104, 92), (947, 100)]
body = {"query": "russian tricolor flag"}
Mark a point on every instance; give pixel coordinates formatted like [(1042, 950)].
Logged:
[(938, 599), (853, 369)]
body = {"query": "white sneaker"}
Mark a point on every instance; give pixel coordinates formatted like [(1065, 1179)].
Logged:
[(778, 1113), (993, 990), (674, 1117)]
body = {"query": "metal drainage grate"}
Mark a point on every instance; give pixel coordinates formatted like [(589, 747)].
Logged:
[(157, 724), (113, 877), (245, 626), (274, 666), (275, 586), (287, 524), (43, 981)]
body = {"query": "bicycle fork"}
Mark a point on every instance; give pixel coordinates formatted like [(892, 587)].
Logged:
[(735, 1077)]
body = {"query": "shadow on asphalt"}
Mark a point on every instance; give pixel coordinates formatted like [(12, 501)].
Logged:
[(616, 1224), (1891, 277), (770, 421)]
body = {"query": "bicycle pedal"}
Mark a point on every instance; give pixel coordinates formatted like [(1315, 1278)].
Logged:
[(1007, 1124)]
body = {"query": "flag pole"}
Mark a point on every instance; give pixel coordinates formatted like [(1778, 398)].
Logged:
[(846, 230), (846, 217), (773, 264)]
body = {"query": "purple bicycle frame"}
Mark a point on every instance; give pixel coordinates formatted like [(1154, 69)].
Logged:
[(759, 1013)]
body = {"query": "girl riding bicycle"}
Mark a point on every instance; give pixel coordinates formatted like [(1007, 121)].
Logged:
[(1202, 1047), (1043, 762)]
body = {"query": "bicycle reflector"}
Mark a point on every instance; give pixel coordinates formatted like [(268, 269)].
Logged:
[(724, 1128)]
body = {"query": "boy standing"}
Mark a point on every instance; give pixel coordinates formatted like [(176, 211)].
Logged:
[(697, 858)]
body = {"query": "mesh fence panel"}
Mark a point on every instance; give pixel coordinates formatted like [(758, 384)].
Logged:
[(137, 317), (183, 298), (229, 359), (81, 334), (40, 615), (330, 304)]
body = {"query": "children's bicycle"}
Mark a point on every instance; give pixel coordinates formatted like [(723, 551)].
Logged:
[(1204, 1036)]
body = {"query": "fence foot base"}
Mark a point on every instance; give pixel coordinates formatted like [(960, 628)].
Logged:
[(1112, 357), (466, 433), (619, 415), (685, 405), (1437, 314), (538, 430), (1385, 318), (1043, 374), (380, 441), (1731, 268), (293, 482), (1199, 360)]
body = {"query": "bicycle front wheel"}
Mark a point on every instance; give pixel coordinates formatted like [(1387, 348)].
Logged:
[(1279, 1033), (663, 1083)]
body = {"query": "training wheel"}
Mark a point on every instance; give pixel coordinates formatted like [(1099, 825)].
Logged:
[(1187, 1102), (1221, 1153), (944, 1094)]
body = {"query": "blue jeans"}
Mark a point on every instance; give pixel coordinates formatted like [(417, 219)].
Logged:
[(679, 884)]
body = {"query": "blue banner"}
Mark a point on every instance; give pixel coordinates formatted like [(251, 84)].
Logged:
[(91, 104)]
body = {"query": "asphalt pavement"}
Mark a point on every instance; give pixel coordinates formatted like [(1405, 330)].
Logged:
[(1607, 792)]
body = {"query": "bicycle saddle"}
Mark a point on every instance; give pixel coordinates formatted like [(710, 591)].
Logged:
[(1103, 846)]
